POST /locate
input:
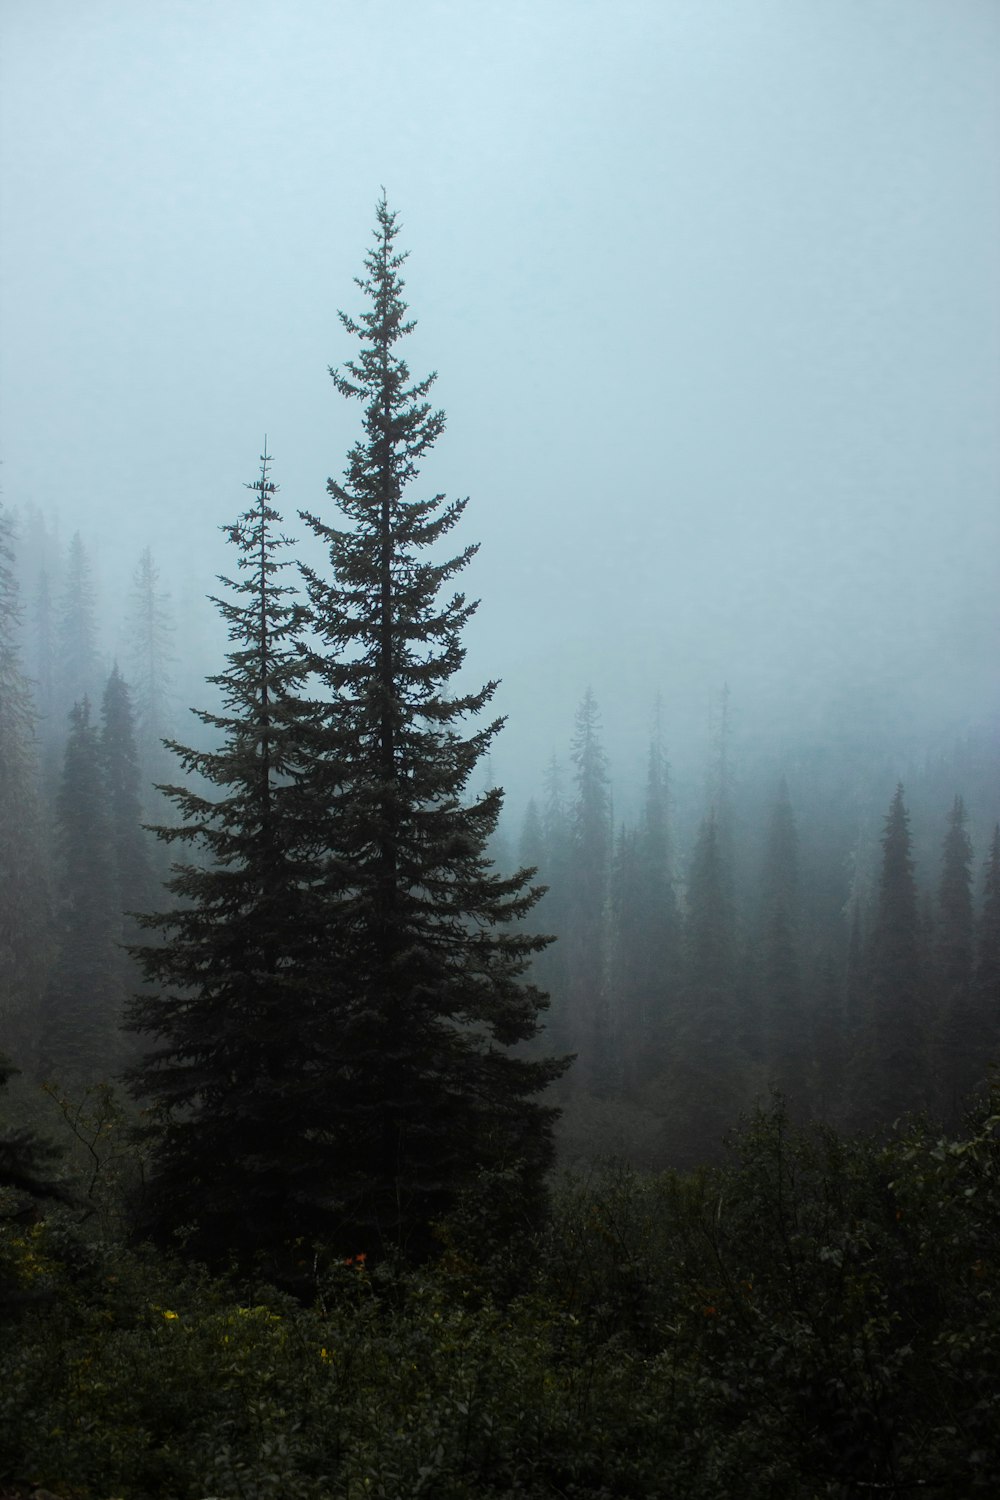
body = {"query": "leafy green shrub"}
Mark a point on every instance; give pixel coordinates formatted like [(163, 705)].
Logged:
[(817, 1319)]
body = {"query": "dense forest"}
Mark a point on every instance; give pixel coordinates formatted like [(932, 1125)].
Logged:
[(298, 1033)]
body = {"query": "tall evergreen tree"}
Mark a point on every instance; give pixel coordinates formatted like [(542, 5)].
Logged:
[(23, 893), (960, 1044), (433, 969), (704, 1066), (133, 873), (551, 852), (894, 1075), (243, 971), (150, 632), (78, 672), (80, 1042), (987, 975), (588, 1000), (645, 928), (787, 1043)]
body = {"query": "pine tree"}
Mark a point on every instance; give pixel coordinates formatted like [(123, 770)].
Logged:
[(787, 1043), (702, 1082), (81, 1042), (588, 1000), (961, 1040), (987, 975), (150, 631), (894, 1074), (78, 672), (133, 875), (23, 895), (659, 940), (243, 971), (432, 969)]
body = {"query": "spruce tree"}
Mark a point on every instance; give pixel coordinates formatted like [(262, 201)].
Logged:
[(894, 1073), (658, 936), (81, 1042), (133, 874), (243, 971), (960, 1041), (702, 1081), (24, 912), (430, 958), (150, 661), (787, 1043), (78, 672), (987, 975), (589, 1003)]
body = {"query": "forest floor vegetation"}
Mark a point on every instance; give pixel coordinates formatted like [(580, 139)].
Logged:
[(820, 1317)]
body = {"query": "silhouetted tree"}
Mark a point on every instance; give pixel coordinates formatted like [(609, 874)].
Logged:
[(136, 890), (961, 1039), (432, 967), (895, 1077), (150, 660), (987, 976), (588, 1001), (704, 1064), (244, 974), (81, 1042), (787, 1047), (23, 894), (78, 670)]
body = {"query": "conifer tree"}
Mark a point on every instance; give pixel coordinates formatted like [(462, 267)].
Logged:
[(120, 758), (80, 1042), (587, 903), (987, 975), (960, 1042), (244, 969), (78, 673), (658, 939), (432, 965), (551, 965), (894, 1075), (787, 1044), (704, 1065), (23, 893), (150, 631)]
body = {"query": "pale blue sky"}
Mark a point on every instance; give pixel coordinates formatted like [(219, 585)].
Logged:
[(712, 287)]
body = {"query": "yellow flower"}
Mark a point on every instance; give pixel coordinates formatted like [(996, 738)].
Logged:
[(168, 1315)]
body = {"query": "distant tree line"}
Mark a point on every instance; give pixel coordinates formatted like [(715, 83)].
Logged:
[(691, 980)]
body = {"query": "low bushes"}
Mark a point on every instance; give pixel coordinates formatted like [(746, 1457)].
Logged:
[(820, 1318)]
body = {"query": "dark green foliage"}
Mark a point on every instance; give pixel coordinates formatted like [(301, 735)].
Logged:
[(815, 1320), (430, 969), (243, 978), (24, 915), (25, 1158), (589, 1004), (961, 1042), (646, 928), (787, 1042), (135, 888), (80, 1041), (150, 665), (703, 1081), (987, 977), (894, 1072)]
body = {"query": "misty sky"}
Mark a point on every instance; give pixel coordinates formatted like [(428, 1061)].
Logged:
[(712, 288)]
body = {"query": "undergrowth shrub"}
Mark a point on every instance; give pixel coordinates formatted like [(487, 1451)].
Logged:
[(817, 1319)]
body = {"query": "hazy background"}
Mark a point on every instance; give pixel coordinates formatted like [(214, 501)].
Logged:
[(713, 290)]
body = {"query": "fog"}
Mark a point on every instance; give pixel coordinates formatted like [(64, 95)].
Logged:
[(713, 291)]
